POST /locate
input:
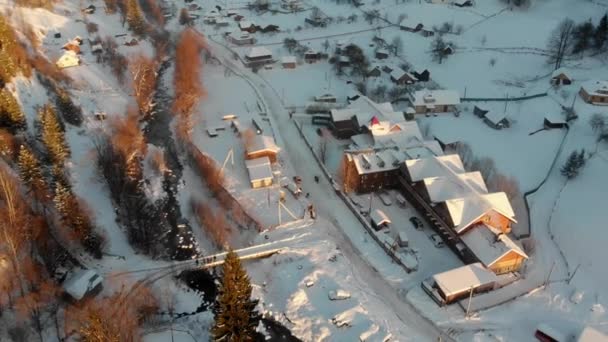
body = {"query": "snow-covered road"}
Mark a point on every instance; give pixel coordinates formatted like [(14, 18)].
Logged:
[(329, 205)]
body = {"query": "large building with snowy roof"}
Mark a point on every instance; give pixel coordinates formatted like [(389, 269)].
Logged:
[(435, 101)]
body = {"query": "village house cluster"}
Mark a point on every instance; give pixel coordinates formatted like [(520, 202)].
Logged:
[(388, 152)]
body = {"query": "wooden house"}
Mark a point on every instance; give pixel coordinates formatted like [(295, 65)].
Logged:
[(241, 38), (494, 249), (311, 56), (262, 146), (595, 92), (561, 76), (401, 77), (435, 101), (258, 56), (288, 62), (493, 209)]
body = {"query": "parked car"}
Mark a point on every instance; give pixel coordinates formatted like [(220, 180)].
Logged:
[(401, 200), (385, 197), (437, 241), (416, 222)]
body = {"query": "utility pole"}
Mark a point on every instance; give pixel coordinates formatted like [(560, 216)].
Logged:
[(573, 101), (506, 102), (466, 316), (465, 92)]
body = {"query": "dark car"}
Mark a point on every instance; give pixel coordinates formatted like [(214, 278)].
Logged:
[(416, 222)]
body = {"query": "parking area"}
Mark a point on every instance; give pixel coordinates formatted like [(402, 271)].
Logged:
[(423, 242)]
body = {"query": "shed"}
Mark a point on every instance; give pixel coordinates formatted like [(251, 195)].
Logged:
[(496, 120), (82, 283), (459, 282), (379, 219), (96, 48), (561, 76), (260, 173), (69, 59), (288, 62), (241, 38), (344, 60), (381, 54), (246, 25), (402, 239), (480, 112), (325, 98), (554, 121), (374, 72)]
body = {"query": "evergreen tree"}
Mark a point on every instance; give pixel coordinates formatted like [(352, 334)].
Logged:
[(11, 115), (135, 17), (573, 165), (582, 37), (13, 57), (235, 315), (70, 112), (31, 174), (601, 33), (53, 136)]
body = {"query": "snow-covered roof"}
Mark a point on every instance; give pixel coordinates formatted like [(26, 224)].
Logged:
[(490, 245), (464, 278), (238, 34), (288, 59), (561, 71), (379, 217), (554, 118), (259, 169), (372, 162), (365, 109), (96, 47), (598, 88), (590, 334), (441, 189), (262, 143), (427, 149), (258, 51), (495, 116), (82, 282), (434, 167), (397, 73), (466, 210), (427, 97), (555, 334)]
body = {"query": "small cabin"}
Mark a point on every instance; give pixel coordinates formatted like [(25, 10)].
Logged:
[(561, 76), (379, 220), (381, 54), (554, 121), (82, 283), (69, 59), (288, 62)]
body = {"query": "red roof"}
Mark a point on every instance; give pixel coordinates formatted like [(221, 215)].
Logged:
[(375, 121)]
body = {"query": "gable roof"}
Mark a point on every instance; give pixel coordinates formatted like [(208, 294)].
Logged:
[(379, 217), (435, 97), (596, 87), (495, 116), (461, 279), (465, 211), (262, 143), (258, 51), (489, 245), (434, 167), (258, 169), (441, 189)]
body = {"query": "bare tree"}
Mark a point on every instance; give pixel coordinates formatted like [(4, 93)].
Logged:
[(143, 75), (560, 41)]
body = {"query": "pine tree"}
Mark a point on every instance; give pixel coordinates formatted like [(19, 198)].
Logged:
[(31, 174), (601, 33), (11, 115), (573, 165), (70, 112), (53, 136), (235, 315), (135, 17), (13, 57), (582, 36)]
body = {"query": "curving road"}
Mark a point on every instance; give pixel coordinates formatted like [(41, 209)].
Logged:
[(329, 205)]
